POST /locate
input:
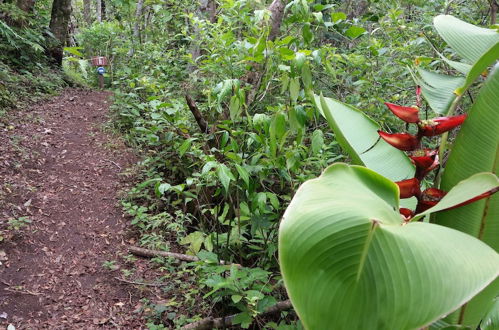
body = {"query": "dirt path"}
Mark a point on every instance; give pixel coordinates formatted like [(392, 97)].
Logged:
[(61, 172)]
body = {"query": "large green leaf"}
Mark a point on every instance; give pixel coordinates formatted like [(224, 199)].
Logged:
[(468, 40), (479, 67), (358, 135), (438, 89), (479, 46), (491, 320), (349, 262), (476, 149)]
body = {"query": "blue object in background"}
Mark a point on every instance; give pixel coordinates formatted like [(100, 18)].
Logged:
[(101, 70)]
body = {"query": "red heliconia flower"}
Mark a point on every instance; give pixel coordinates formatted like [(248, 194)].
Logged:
[(407, 214), (429, 198), (425, 161), (407, 114), (401, 141), (440, 125), (409, 188)]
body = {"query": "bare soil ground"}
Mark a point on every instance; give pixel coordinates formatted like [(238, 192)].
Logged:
[(61, 172)]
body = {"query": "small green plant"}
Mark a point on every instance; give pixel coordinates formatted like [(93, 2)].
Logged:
[(18, 223), (110, 265)]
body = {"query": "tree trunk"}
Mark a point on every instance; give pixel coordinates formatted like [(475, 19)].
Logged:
[(136, 27), (86, 12), (206, 9), (103, 11), (357, 8), (494, 6), (26, 5), (98, 10), (59, 21), (276, 9)]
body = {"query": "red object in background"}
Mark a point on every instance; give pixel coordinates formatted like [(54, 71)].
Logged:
[(407, 114), (408, 188), (437, 126), (401, 141), (99, 60)]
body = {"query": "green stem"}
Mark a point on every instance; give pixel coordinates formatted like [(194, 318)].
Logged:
[(443, 142)]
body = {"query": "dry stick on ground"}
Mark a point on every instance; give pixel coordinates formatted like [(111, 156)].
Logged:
[(203, 125), (179, 256), (140, 283), (210, 323)]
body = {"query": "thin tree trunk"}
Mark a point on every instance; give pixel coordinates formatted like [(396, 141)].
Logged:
[(136, 27), (98, 10), (103, 11), (276, 9), (494, 6), (86, 12), (206, 9), (26, 5), (59, 21)]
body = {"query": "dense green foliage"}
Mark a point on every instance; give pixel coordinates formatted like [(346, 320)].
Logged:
[(220, 191), (223, 192)]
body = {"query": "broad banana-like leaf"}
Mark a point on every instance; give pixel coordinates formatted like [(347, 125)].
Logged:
[(349, 262), (479, 46), (467, 40), (438, 89), (358, 136), (491, 320), (476, 149), (490, 56)]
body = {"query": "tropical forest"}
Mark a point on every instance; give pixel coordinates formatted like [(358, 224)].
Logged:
[(249, 164)]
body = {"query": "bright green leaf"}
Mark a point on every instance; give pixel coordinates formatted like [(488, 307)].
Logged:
[(349, 262), (358, 136)]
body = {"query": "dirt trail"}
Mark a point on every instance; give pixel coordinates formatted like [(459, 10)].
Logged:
[(61, 171)]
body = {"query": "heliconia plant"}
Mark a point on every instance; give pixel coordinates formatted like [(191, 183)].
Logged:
[(355, 256)]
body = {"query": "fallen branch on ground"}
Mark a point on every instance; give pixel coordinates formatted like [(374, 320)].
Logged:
[(210, 323), (140, 283), (138, 251)]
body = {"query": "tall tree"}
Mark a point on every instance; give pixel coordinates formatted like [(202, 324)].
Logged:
[(86, 12), (136, 27), (276, 9), (59, 22), (98, 10), (494, 6), (206, 9)]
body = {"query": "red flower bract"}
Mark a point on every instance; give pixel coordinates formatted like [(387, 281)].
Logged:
[(407, 114), (425, 163), (429, 198), (440, 125), (409, 188), (401, 141)]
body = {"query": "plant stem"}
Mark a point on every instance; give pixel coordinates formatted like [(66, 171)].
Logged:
[(443, 142)]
